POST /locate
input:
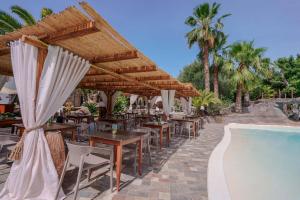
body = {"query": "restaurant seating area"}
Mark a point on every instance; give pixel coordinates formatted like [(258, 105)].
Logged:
[(138, 143)]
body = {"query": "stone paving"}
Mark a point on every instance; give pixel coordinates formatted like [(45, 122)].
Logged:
[(178, 172)]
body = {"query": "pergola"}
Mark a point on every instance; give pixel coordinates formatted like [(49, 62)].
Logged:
[(116, 64)]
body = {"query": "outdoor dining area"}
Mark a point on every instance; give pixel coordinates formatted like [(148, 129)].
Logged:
[(77, 49)]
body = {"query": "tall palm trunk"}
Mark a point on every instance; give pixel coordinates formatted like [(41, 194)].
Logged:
[(247, 98), (216, 80), (206, 67), (238, 99)]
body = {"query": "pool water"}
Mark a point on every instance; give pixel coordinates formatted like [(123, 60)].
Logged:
[(263, 164)]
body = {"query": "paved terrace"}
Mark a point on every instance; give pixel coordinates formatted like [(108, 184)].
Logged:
[(178, 172)]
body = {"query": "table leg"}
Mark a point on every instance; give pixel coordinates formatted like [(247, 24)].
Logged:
[(21, 131), (140, 154), (92, 142), (73, 136), (168, 136), (194, 126), (12, 130), (161, 137), (118, 165)]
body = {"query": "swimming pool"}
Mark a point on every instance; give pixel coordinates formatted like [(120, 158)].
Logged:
[(256, 162)]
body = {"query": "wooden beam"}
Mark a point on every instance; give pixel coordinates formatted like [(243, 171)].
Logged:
[(34, 42), (4, 51), (71, 32), (42, 45), (127, 55), (124, 70), (99, 78), (64, 34)]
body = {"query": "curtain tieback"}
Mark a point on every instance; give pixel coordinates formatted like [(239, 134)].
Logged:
[(17, 152)]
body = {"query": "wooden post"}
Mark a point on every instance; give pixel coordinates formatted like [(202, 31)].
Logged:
[(109, 95), (148, 104)]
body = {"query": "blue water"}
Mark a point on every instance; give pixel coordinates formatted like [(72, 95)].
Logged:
[(263, 164)]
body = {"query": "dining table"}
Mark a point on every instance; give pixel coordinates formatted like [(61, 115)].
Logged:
[(161, 126), (63, 127), (9, 122), (118, 140)]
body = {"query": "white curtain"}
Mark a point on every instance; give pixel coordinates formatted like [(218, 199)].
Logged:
[(3, 80), (189, 106), (165, 101), (168, 100), (152, 101), (184, 104), (104, 98), (34, 177), (114, 99), (171, 99), (133, 98)]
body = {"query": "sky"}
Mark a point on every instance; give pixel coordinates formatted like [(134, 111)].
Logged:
[(156, 27)]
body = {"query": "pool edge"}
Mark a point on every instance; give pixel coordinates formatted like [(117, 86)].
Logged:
[(216, 181)]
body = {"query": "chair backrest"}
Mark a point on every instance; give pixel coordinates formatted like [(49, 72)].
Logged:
[(78, 151), (145, 130), (103, 126), (5, 139)]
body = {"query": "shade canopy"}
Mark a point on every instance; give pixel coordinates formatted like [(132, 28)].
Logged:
[(117, 65)]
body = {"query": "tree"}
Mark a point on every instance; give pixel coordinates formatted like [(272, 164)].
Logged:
[(218, 60), (9, 23), (45, 12), (244, 63), (192, 73), (205, 99), (290, 70), (204, 27)]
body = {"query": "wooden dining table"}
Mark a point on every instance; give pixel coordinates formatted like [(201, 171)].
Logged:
[(52, 127), (118, 140), (9, 122), (161, 126)]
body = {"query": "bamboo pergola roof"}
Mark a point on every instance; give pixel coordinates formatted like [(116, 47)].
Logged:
[(117, 65)]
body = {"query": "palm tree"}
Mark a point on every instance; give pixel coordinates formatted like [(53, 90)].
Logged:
[(245, 62), (203, 25), (218, 60), (9, 23), (205, 99)]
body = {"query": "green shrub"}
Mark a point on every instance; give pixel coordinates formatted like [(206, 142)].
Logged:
[(92, 107), (121, 104)]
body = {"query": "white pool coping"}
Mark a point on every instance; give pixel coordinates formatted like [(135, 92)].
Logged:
[(216, 181)]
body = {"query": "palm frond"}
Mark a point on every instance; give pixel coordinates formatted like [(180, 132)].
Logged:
[(9, 21), (191, 21), (45, 12), (23, 14)]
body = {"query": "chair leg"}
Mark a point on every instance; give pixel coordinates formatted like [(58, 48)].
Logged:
[(78, 179), (89, 175), (62, 176), (135, 160), (111, 171), (149, 151)]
